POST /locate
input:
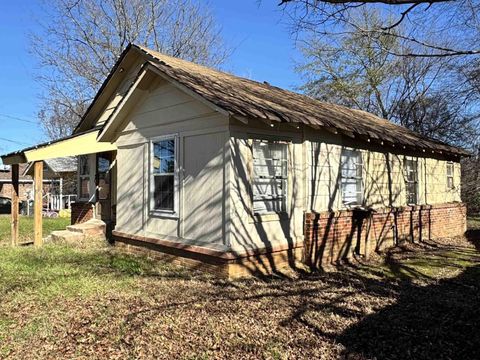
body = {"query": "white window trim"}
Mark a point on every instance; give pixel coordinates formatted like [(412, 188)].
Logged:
[(417, 182), (176, 184), (273, 214), (362, 186), (92, 166)]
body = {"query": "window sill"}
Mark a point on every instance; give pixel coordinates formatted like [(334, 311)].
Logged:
[(267, 217), (164, 214)]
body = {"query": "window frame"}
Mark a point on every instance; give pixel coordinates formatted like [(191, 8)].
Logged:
[(89, 177), (284, 179), (358, 154), (176, 187), (416, 181), (450, 176)]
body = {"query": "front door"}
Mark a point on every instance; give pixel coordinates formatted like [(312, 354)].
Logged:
[(103, 185)]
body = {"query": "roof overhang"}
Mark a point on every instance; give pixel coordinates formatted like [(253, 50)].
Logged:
[(81, 144)]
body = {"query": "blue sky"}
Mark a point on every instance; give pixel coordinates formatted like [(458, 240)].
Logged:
[(263, 50)]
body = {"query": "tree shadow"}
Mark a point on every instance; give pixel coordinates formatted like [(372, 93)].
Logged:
[(438, 321)]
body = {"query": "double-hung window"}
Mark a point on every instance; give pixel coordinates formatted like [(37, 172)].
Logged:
[(269, 176), (450, 184), (411, 180), (84, 177), (351, 177), (164, 195)]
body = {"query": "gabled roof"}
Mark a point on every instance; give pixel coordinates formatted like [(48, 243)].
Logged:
[(63, 165), (244, 98), (60, 165)]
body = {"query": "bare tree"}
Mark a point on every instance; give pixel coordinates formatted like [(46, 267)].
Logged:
[(81, 40), (360, 70), (455, 21)]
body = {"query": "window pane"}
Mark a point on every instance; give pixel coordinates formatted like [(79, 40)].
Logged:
[(84, 185), (164, 192), (83, 162), (164, 156), (450, 182), (411, 178), (351, 181), (269, 183)]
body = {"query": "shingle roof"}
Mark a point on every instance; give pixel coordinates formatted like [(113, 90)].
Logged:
[(246, 98), (64, 164)]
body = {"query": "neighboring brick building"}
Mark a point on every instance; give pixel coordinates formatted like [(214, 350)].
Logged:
[(6, 188)]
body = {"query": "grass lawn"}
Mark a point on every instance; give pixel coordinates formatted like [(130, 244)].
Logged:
[(416, 302), (26, 228)]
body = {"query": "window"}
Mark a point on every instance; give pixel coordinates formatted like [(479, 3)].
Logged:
[(351, 177), (164, 165), (269, 176), (411, 180), (450, 184), (84, 177)]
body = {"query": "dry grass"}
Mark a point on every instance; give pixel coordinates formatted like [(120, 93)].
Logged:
[(418, 302)]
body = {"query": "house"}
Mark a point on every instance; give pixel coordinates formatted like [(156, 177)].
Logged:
[(235, 176), (63, 170), (59, 178)]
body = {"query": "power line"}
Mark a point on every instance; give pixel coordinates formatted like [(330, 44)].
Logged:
[(14, 141), (18, 118)]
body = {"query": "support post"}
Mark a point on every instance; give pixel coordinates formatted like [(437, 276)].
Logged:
[(61, 194), (38, 202), (15, 204)]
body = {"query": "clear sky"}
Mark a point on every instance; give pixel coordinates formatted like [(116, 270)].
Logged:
[(263, 50)]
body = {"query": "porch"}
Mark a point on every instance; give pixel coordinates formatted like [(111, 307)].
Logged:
[(94, 183)]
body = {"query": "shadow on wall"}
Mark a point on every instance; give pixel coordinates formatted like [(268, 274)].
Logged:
[(248, 234), (332, 235), (427, 322)]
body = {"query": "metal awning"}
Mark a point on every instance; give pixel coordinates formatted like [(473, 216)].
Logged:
[(79, 144)]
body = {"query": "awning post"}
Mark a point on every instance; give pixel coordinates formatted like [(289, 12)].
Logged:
[(38, 202), (15, 204)]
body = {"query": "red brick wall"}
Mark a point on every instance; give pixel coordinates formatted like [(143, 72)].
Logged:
[(7, 190), (81, 212), (332, 236)]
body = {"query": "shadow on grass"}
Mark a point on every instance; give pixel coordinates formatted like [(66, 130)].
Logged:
[(431, 322)]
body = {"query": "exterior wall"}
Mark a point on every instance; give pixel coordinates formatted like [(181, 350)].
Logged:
[(383, 176), (25, 186), (6, 190), (248, 231), (202, 157), (121, 91), (314, 187), (333, 236), (81, 212)]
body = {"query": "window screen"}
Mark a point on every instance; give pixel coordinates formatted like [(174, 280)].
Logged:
[(163, 168), (351, 183), (450, 183), (269, 176), (84, 176), (411, 180)]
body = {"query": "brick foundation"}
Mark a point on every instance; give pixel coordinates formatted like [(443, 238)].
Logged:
[(333, 236), (223, 264), (329, 238), (81, 212)]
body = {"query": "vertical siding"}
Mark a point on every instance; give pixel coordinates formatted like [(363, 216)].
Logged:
[(202, 137)]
